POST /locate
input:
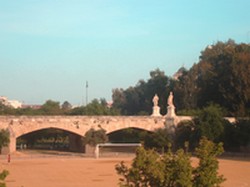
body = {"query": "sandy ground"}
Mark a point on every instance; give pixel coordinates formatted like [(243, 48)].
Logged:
[(89, 172)]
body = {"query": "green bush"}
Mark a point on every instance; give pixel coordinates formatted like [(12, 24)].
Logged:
[(3, 175), (150, 169), (94, 137)]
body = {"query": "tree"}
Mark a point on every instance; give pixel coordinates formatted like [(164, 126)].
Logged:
[(129, 135), (173, 169), (99, 107), (4, 138), (160, 139), (51, 108), (6, 109), (223, 76), (186, 89), (209, 123), (138, 99), (146, 170), (3, 175), (184, 133), (94, 137), (206, 174), (66, 106), (237, 135)]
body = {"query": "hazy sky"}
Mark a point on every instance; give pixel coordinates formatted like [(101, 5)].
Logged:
[(50, 48)]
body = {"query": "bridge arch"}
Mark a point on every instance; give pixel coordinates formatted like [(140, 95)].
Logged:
[(69, 141), (79, 125)]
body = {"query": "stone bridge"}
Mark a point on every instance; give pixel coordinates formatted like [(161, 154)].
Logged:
[(79, 125), (21, 125)]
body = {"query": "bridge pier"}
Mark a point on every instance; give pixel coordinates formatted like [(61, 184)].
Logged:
[(75, 143), (10, 148)]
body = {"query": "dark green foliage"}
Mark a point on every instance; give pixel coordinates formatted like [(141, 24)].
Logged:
[(51, 108), (3, 175), (209, 123), (184, 132), (224, 77), (66, 106), (186, 90), (172, 169), (130, 135), (237, 136), (221, 76), (6, 110), (243, 131), (4, 138), (94, 137), (138, 99), (158, 140), (146, 170)]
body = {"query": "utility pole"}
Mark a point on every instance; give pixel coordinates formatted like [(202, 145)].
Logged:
[(248, 34), (87, 85)]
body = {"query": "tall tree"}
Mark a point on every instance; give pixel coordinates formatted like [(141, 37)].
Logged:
[(210, 123), (66, 106), (186, 89), (206, 174), (51, 108), (223, 76), (138, 99)]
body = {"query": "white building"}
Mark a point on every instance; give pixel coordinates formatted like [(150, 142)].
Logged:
[(10, 103)]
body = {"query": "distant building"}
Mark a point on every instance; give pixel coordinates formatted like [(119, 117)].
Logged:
[(10, 103)]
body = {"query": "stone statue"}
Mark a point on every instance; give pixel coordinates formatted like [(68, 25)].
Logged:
[(170, 99), (156, 108), (155, 100)]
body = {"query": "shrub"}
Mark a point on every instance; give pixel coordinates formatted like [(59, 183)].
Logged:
[(173, 169), (3, 175)]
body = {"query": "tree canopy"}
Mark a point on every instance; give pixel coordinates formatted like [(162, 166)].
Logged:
[(220, 76), (173, 169), (93, 137), (138, 100)]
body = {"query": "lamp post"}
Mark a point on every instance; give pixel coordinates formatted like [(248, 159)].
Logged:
[(87, 85)]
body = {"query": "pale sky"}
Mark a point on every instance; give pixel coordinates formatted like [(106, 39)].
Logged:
[(50, 48)]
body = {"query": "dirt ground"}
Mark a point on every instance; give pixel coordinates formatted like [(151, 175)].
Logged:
[(89, 172)]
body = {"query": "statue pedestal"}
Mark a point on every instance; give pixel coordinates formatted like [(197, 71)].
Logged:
[(171, 112), (156, 111), (170, 122)]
